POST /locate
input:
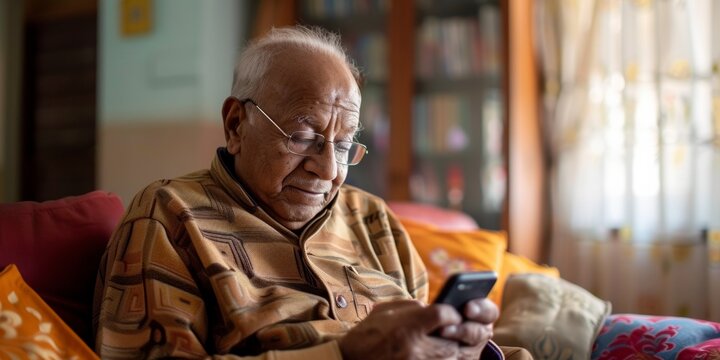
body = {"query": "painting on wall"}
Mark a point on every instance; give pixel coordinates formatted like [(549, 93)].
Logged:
[(136, 17)]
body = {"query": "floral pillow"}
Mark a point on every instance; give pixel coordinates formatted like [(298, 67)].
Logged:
[(628, 336), (29, 329)]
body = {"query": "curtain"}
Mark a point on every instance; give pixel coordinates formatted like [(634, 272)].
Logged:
[(632, 127)]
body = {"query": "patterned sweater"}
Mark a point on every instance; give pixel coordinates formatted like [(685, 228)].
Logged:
[(196, 267)]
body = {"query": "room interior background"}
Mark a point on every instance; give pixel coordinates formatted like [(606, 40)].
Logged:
[(160, 84), (586, 129)]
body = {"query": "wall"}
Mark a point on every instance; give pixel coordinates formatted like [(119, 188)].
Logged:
[(160, 93)]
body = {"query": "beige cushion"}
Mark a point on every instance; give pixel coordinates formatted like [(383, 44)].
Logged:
[(550, 317)]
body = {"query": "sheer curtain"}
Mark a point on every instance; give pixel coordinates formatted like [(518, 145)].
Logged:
[(632, 103)]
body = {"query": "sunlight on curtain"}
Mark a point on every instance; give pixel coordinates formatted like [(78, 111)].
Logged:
[(632, 102)]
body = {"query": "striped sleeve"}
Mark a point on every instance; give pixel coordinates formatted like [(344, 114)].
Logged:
[(151, 308)]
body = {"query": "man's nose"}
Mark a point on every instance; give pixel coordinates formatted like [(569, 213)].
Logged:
[(324, 163)]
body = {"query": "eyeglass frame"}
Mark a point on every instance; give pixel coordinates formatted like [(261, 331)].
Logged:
[(289, 137)]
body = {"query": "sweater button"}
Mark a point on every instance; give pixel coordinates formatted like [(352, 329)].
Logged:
[(340, 301)]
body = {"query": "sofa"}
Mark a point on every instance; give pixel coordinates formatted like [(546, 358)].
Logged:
[(49, 254)]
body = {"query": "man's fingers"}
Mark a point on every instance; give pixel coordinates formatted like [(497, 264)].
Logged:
[(469, 333), (436, 316), (427, 318), (482, 311), (477, 328)]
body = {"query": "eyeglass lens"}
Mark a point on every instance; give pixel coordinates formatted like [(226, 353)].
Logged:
[(309, 143)]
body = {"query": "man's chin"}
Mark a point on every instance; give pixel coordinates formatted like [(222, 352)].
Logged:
[(298, 217)]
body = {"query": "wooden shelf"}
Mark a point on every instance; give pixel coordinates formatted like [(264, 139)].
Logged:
[(471, 83), (453, 8), (350, 24)]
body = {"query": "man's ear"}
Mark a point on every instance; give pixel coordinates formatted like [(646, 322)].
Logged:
[(234, 114)]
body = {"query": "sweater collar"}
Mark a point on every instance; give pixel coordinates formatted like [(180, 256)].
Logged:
[(222, 169)]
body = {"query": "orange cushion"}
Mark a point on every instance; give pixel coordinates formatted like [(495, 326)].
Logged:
[(29, 328), (446, 252)]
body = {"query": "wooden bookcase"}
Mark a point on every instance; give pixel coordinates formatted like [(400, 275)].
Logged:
[(58, 127), (411, 106)]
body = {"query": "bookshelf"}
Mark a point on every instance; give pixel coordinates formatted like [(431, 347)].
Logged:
[(457, 122), (449, 106)]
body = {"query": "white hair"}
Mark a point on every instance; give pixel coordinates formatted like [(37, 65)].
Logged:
[(254, 61)]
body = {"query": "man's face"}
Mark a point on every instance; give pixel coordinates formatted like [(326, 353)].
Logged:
[(302, 92)]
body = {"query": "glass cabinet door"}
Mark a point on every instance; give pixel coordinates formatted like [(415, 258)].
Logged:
[(457, 122)]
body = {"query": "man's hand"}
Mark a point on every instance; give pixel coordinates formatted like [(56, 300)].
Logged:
[(476, 331), (400, 330)]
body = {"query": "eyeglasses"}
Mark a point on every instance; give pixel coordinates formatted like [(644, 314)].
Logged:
[(308, 143)]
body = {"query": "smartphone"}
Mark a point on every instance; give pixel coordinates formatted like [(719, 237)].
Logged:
[(465, 286)]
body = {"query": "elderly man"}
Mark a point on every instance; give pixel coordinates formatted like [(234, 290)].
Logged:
[(267, 254)]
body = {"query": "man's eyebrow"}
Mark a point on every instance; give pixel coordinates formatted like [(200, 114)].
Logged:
[(352, 129), (305, 118), (312, 122)]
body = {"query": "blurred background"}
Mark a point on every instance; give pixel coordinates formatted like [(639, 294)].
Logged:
[(588, 130)]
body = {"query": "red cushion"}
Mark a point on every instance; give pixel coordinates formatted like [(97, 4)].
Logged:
[(57, 246), (445, 219)]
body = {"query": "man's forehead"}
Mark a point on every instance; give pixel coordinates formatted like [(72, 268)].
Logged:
[(316, 114)]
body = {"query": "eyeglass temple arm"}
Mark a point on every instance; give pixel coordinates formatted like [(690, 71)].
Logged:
[(267, 116)]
